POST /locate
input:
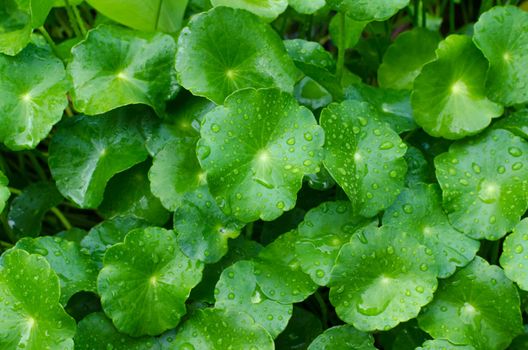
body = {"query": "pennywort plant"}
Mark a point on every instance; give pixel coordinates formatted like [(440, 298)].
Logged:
[(263, 174)]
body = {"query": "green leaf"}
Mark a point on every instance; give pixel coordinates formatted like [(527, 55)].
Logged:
[(516, 123), (33, 90), (15, 27), (502, 35), (418, 213), (213, 329), (353, 31), (145, 281), (322, 234), (363, 155), (4, 191), (75, 269), (476, 306), (27, 210), (265, 9), (278, 271), (441, 344), (303, 327), (115, 67), (128, 193), (485, 196), (32, 317), (382, 278), (307, 7), (86, 152), (404, 59), (96, 331), (107, 233), (238, 290), (372, 10), (393, 106), (256, 149), (158, 15), (514, 258), (202, 229), (218, 54), (343, 338), (449, 96), (311, 94)]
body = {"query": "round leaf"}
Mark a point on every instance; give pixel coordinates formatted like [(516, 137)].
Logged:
[(418, 212), (256, 149), (363, 155), (441, 344), (96, 331), (75, 269), (33, 89), (502, 35), (404, 59), (322, 234), (372, 10), (32, 317), (382, 278), (343, 338), (86, 152), (214, 329), (4, 191), (266, 9), (449, 96), (145, 281), (237, 290), (485, 196), (218, 54), (516, 123), (15, 27), (307, 7), (202, 229), (476, 306), (114, 67), (515, 255)]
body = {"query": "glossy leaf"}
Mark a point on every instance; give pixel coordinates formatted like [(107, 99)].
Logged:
[(502, 35), (4, 191), (307, 7), (449, 96), (372, 10), (441, 344), (32, 317), (212, 329), (115, 67), (363, 155), (514, 255), (323, 232), (86, 152), (256, 149), (418, 213), (516, 123), (382, 278), (404, 60), (238, 290), (33, 89), (265, 9), (343, 337), (353, 31), (477, 306), (485, 196), (145, 281), (96, 331), (218, 54)]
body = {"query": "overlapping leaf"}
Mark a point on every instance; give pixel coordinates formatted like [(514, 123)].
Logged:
[(368, 10), (343, 337), (266, 9), (515, 255), (4, 191)]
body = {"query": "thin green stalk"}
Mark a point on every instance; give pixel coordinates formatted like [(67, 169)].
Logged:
[(15, 191), (494, 252), (48, 38), (341, 47), (249, 230), (452, 16), (38, 168), (424, 15), (6, 244), (415, 12), (73, 20), (323, 308), (80, 21), (65, 222)]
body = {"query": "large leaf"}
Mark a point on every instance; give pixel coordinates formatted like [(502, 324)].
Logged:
[(86, 152), (75, 269), (114, 67), (32, 317), (514, 255), (502, 35), (485, 196), (363, 155), (266, 9), (382, 278), (476, 306), (218, 53), (256, 149), (145, 281), (214, 329), (33, 89), (156, 15), (449, 96), (368, 10), (418, 212), (343, 338)]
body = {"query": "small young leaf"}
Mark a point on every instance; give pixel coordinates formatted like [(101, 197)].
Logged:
[(343, 338), (265, 9), (145, 281), (476, 306), (514, 258)]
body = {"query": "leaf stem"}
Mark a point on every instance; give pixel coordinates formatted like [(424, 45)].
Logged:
[(451, 16), (424, 14), (38, 167), (15, 191), (73, 20), (323, 308), (65, 222), (249, 230), (80, 21), (50, 41), (341, 47)]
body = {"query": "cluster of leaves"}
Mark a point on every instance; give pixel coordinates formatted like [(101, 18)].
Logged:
[(241, 174)]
